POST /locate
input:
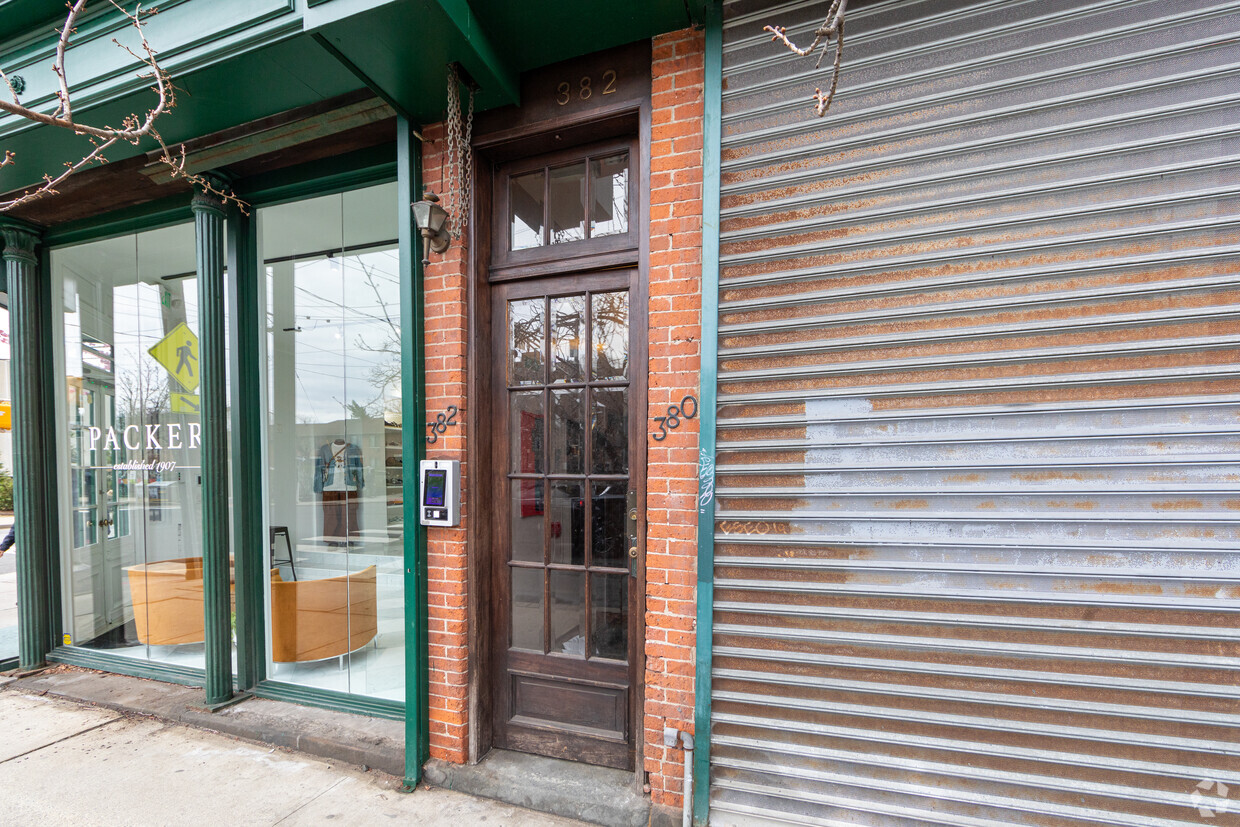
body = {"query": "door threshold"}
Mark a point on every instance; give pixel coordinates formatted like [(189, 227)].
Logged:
[(598, 795)]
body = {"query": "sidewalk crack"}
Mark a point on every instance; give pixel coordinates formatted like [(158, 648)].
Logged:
[(59, 740), (307, 803)]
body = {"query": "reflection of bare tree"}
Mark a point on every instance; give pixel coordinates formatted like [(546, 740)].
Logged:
[(525, 339), (568, 315), (611, 334), (141, 392), (387, 371)]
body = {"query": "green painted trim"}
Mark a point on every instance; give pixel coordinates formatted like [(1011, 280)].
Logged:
[(711, 148), (7, 664), (178, 55), (162, 213), (246, 414), (354, 170), (104, 662), (330, 699), (466, 22), (357, 72), (413, 392)]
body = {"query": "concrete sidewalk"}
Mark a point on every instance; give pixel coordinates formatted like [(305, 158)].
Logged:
[(64, 763)]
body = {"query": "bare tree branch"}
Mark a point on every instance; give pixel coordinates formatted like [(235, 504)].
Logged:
[(133, 128), (833, 26)]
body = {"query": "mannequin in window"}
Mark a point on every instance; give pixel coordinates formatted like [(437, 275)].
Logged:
[(338, 482)]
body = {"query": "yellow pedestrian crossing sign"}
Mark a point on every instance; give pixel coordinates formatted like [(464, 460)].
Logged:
[(178, 353), (187, 403)]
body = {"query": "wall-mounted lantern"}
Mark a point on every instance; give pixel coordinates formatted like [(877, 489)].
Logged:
[(431, 220)]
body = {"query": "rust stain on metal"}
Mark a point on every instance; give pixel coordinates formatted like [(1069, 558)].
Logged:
[(1114, 587), (1178, 505)]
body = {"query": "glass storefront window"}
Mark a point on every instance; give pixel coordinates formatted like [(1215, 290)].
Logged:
[(8, 561), (334, 450), (131, 489)]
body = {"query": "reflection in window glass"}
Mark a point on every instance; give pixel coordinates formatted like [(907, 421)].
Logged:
[(526, 411), (607, 530), (609, 428), (568, 333), (568, 203), (525, 204), (568, 612), (609, 195), (528, 522), (335, 480), (568, 523), (608, 626), (568, 450), (525, 342), (609, 320), (527, 609), (127, 346)]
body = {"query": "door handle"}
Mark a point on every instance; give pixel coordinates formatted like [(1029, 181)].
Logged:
[(631, 521)]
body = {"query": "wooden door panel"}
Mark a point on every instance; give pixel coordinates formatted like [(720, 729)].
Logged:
[(568, 393)]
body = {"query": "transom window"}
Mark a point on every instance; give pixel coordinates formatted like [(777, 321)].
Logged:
[(562, 208), (560, 204)]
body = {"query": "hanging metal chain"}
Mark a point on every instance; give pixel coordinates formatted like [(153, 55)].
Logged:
[(459, 158)]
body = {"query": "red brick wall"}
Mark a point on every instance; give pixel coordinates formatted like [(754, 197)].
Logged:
[(674, 342), (675, 358), (446, 336)]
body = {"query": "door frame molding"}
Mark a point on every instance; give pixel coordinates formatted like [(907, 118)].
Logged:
[(497, 140)]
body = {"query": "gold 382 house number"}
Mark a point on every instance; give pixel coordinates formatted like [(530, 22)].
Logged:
[(585, 89)]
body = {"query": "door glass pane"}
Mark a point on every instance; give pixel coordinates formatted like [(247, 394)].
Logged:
[(607, 524), (568, 445), (609, 321), (525, 342), (335, 484), (528, 533), (609, 195), (609, 429), (568, 524), (525, 415), (608, 616), (527, 609), (568, 203), (568, 334), (568, 612), (526, 202)]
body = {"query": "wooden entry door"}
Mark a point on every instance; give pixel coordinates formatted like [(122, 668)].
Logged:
[(569, 380)]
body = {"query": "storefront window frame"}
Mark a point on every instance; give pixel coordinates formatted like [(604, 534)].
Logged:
[(368, 169), (272, 687), (56, 408)]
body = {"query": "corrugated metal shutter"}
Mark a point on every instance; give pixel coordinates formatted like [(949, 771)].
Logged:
[(979, 424)]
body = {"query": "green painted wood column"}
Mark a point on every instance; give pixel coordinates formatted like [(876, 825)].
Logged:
[(245, 383), (29, 374), (212, 315)]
